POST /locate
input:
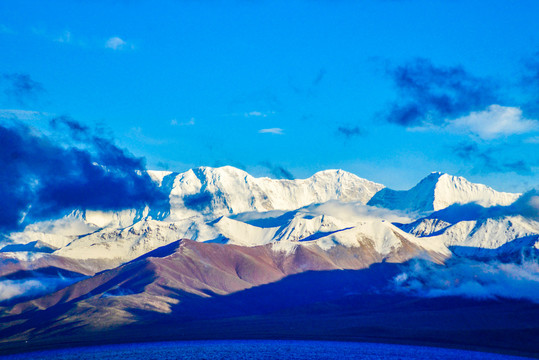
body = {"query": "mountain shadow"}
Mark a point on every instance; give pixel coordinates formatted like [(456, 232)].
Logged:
[(194, 291)]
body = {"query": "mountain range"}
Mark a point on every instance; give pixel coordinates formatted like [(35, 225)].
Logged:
[(207, 257)]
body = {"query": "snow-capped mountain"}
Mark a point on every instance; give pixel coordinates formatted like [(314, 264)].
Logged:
[(227, 205), (438, 191), (222, 191), (327, 225), (472, 230), (223, 232), (214, 192)]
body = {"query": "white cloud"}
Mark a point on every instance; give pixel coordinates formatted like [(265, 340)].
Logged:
[(137, 134), (496, 121), (471, 279), (12, 288), (190, 122), (21, 114), (258, 114), (38, 286), (355, 212), (116, 43), (65, 38), (532, 140), (5, 30), (255, 113), (277, 131)]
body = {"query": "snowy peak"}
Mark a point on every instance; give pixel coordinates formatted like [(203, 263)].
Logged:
[(227, 205), (438, 191), (226, 190), (457, 190)]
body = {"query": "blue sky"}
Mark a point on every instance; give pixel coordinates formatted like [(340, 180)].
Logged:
[(389, 90)]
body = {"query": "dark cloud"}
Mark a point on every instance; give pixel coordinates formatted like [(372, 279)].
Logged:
[(21, 87), (527, 205), (306, 89), (278, 171), (431, 94), (530, 76), (75, 128), (350, 132), (163, 165), (530, 83), (519, 167), (282, 173), (74, 168), (484, 161)]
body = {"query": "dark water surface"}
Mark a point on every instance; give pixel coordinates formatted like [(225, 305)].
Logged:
[(254, 349)]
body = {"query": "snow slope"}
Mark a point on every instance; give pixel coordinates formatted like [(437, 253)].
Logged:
[(438, 191), (326, 225), (472, 230), (214, 192), (227, 205)]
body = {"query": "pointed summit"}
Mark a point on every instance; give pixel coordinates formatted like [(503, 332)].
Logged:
[(227, 190), (438, 191)]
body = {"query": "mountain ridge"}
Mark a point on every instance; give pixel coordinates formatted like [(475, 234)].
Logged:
[(205, 203), (94, 271), (438, 191)]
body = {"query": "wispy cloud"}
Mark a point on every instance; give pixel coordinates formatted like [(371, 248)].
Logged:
[(258, 114), (117, 43), (138, 134), (21, 87), (307, 89), (278, 171), (484, 160), (190, 122), (6, 30), (532, 140), (350, 131), (319, 77), (22, 114), (530, 83), (66, 37), (276, 131)]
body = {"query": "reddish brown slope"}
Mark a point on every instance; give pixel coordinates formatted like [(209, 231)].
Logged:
[(183, 269)]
